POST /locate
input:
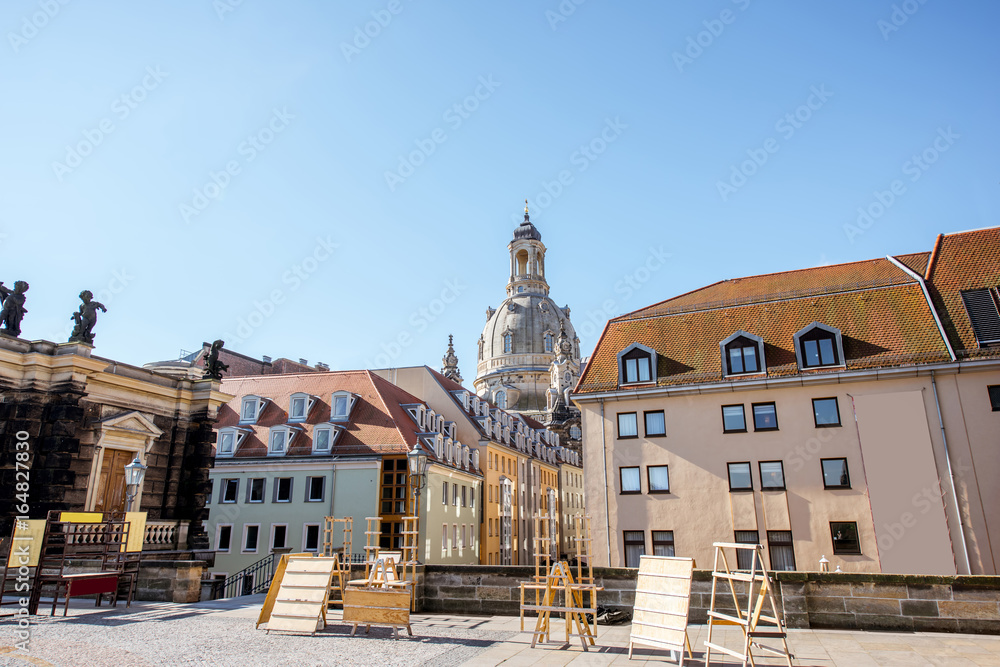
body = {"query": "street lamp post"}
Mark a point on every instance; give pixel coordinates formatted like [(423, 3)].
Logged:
[(417, 461), (135, 472)]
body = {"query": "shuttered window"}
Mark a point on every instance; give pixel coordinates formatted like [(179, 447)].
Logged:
[(982, 308)]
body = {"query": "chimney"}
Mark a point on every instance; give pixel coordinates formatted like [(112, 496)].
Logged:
[(303, 361), (266, 359), (320, 366)]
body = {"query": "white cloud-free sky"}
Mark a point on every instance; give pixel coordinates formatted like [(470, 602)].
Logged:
[(270, 174)]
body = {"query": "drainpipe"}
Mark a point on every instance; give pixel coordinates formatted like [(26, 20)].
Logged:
[(607, 502), (951, 477)]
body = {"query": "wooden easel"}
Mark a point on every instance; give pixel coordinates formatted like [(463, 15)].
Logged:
[(759, 592), (560, 580), (372, 534), (541, 546), (411, 554), (342, 568)]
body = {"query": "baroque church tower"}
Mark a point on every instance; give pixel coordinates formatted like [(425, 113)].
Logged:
[(529, 353)]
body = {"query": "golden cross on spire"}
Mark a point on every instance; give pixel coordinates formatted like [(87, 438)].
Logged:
[(526, 207)]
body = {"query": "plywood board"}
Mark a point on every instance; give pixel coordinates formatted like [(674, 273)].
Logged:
[(299, 605), (376, 607), (136, 531), (903, 485), (27, 534), (662, 601)]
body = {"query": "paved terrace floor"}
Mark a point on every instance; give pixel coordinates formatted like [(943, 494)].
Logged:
[(222, 633)]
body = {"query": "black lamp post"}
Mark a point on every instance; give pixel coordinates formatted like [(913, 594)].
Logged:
[(417, 461), (135, 472)]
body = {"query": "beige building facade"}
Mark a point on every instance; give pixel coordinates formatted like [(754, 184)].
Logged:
[(845, 413), (520, 461)]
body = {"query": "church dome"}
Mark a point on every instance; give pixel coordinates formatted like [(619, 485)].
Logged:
[(521, 337)]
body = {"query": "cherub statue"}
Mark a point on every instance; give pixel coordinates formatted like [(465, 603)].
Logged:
[(85, 319), (13, 308), (214, 367)]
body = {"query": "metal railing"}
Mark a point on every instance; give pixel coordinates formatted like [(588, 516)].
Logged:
[(248, 581)]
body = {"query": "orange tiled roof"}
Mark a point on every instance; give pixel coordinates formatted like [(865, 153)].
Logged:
[(915, 261), (378, 424), (963, 261), (880, 310), (786, 285)]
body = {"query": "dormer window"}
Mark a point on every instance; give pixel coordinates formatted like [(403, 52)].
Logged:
[(229, 440), (340, 405), (508, 343), (981, 305), (818, 345), (743, 353), (323, 438), (299, 406), (250, 409), (279, 439), (636, 364), (548, 342), (500, 398)]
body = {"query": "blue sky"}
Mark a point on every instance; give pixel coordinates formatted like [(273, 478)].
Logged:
[(338, 181)]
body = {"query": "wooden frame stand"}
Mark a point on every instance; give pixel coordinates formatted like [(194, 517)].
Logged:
[(754, 622)]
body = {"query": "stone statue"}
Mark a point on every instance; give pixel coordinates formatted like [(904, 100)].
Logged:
[(214, 367), (86, 318), (13, 308)]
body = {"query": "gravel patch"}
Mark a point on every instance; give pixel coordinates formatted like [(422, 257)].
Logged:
[(195, 635)]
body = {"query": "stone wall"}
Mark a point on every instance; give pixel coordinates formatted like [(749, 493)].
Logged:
[(891, 602), (159, 580), (809, 600)]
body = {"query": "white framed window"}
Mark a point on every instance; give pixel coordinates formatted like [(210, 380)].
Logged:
[(323, 438), (283, 490), (251, 535), (299, 406), (279, 439), (279, 535), (500, 398), (229, 440), (340, 405), (314, 489), (818, 345), (742, 354), (223, 537), (230, 491), (310, 537), (255, 489), (250, 409), (636, 364)]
